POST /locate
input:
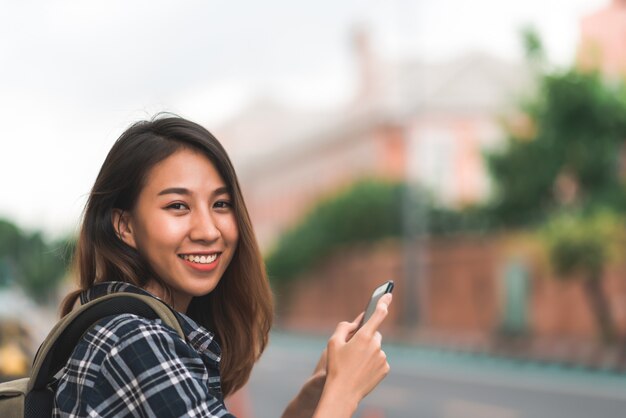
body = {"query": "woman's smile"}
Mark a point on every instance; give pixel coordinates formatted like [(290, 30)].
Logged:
[(200, 262)]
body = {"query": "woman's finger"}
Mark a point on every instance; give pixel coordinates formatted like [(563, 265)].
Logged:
[(356, 321), (359, 317), (344, 330), (378, 316)]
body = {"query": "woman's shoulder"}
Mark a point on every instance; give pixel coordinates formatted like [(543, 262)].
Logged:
[(112, 334), (123, 329)]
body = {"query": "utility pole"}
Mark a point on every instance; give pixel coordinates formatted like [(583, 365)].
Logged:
[(415, 241), (415, 205)]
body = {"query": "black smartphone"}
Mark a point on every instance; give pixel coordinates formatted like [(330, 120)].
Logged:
[(381, 290)]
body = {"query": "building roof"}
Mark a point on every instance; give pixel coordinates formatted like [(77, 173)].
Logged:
[(473, 83)]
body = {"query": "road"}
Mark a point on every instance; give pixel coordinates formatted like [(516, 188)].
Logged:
[(426, 383)]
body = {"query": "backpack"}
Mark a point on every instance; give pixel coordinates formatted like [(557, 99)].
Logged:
[(30, 397)]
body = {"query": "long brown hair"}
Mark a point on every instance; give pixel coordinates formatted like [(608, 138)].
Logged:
[(240, 308)]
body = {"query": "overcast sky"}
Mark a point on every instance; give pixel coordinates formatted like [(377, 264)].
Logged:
[(74, 74)]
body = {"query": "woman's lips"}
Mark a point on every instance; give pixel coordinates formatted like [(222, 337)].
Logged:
[(202, 266)]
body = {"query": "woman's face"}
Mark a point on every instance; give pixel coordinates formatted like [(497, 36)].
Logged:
[(183, 223)]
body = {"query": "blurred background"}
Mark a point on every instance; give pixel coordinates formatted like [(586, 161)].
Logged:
[(473, 152)]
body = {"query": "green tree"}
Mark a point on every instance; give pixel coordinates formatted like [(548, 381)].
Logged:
[(533, 46), (563, 166), (9, 237), (31, 262), (579, 247), (566, 149), (41, 265)]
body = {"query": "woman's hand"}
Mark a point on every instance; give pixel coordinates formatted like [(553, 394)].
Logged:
[(321, 363), (355, 363), (304, 404)]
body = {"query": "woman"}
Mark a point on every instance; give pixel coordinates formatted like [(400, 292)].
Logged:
[(166, 217)]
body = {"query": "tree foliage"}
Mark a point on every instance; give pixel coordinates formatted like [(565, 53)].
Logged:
[(368, 211), (582, 244), (575, 127), (562, 169), (30, 261)]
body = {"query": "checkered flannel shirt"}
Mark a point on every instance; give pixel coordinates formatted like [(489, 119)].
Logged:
[(129, 366)]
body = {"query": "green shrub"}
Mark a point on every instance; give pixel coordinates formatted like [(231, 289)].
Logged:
[(368, 211), (583, 243)]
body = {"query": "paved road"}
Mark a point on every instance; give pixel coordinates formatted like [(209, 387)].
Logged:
[(435, 384)]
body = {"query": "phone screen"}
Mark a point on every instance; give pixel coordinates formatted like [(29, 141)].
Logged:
[(386, 287)]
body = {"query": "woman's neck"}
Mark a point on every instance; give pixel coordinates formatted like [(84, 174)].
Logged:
[(175, 299)]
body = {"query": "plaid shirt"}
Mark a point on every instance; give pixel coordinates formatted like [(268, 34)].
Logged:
[(129, 366)]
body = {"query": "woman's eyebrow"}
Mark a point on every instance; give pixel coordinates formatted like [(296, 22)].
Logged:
[(221, 190), (184, 191), (174, 190)]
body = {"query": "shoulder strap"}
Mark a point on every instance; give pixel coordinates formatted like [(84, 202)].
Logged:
[(61, 341)]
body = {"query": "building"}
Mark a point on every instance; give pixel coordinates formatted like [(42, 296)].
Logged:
[(427, 123), (603, 40)]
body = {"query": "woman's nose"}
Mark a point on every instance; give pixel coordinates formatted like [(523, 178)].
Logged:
[(204, 228)]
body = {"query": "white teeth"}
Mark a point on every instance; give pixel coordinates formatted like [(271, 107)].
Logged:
[(199, 258)]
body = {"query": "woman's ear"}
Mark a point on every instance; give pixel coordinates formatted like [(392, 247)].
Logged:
[(122, 225)]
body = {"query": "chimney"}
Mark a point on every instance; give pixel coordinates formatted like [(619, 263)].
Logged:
[(368, 67)]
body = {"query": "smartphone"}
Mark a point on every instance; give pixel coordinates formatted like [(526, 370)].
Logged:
[(381, 290)]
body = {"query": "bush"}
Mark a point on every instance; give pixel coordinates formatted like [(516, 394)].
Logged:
[(583, 243), (368, 211)]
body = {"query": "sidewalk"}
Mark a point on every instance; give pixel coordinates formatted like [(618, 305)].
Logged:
[(567, 352)]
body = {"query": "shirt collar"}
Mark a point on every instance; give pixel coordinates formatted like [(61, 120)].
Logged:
[(201, 339)]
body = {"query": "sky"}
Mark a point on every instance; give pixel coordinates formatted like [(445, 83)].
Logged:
[(75, 73)]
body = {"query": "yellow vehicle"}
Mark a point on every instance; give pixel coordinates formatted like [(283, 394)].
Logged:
[(15, 355)]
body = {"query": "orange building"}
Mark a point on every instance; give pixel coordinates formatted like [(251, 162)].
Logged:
[(603, 40), (428, 123)]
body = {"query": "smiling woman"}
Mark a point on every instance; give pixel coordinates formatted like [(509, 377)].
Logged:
[(166, 218), (134, 230)]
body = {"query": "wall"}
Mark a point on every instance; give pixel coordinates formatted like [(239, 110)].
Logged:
[(464, 296)]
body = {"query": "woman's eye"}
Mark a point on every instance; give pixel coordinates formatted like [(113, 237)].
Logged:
[(223, 204), (177, 206)]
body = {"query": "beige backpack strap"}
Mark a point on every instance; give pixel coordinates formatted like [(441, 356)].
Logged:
[(58, 346)]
